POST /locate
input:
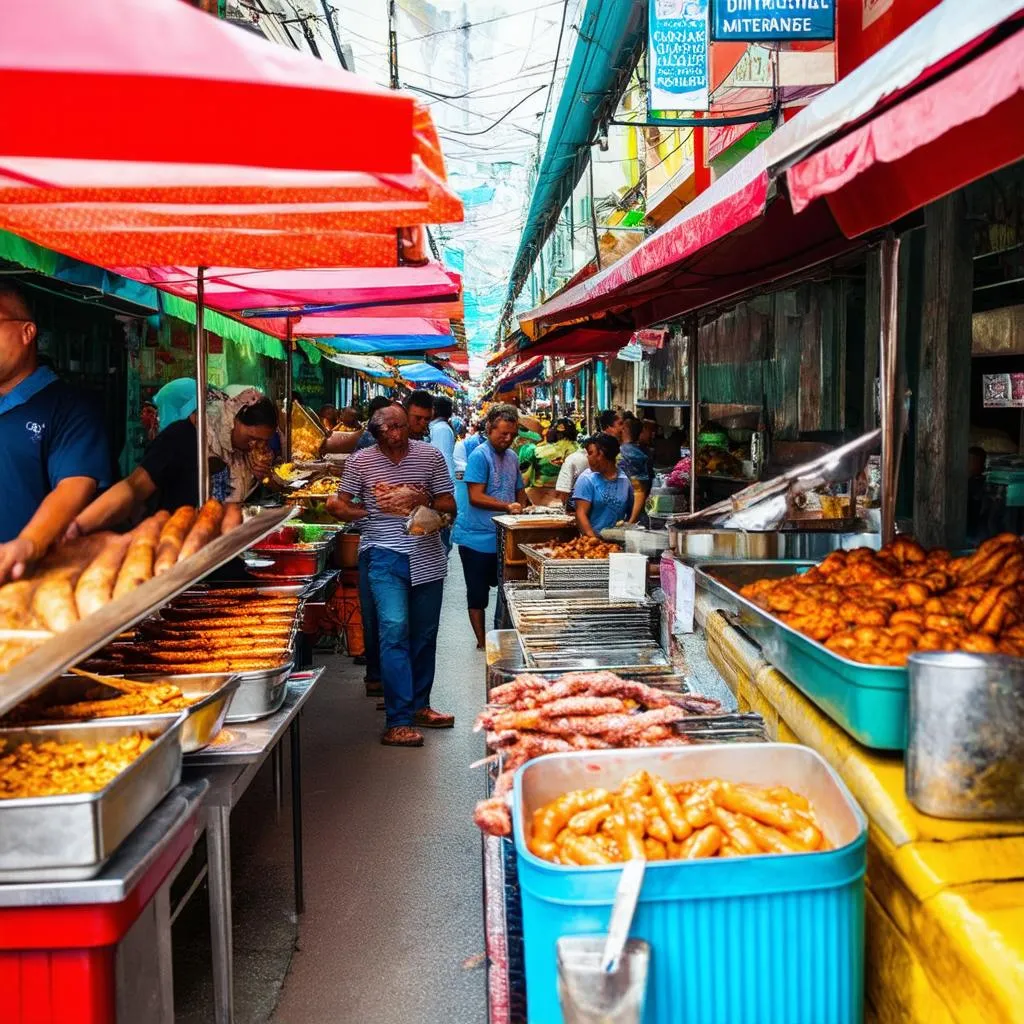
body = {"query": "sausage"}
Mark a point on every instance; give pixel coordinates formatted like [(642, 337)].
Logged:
[(95, 586), (232, 517), (704, 843), (740, 801), (16, 605), (137, 566), (204, 529), (53, 601), (172, 537)]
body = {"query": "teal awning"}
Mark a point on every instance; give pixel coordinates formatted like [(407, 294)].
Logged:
[(609, 42)]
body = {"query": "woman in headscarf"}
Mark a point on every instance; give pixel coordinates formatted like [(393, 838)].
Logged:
[(238, 433)]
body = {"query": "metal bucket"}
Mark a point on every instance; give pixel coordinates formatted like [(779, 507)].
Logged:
[(965, 756)]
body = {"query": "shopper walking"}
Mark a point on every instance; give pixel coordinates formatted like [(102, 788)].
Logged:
[(406, 573), (494, 486), (419, 407), (442, 437)]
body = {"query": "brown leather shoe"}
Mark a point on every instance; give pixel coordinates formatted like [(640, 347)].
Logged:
[(402, 736), (428, 718)]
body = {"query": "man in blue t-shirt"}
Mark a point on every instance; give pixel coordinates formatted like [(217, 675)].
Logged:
[(494, 487), (54, 453)]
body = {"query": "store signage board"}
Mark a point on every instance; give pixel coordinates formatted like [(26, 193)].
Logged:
[(740, 21), (678, 55)]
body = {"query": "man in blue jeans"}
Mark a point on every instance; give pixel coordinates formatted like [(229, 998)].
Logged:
[(406, 573)]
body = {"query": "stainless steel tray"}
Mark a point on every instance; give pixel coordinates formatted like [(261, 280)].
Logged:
[(69, 838), (211, 691), (565, 573), (735, 545), (259, 694)]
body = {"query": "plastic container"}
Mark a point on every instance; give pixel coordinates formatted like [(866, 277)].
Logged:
[(773, 939)]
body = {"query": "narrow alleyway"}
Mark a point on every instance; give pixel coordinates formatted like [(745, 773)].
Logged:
[(393, 903)]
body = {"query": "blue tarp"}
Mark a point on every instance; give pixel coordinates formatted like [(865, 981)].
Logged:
[(87, 276), (387, 344), (424, 373)]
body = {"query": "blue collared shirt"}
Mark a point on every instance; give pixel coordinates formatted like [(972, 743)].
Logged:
[(49, 431)]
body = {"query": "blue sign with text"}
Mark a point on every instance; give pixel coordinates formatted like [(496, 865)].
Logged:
[(740, 21)]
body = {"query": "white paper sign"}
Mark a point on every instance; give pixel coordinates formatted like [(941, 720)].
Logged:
[(686, 596), (677, 54), (627, 577)]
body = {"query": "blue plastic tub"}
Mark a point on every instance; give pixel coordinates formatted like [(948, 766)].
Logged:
[(775, 939)]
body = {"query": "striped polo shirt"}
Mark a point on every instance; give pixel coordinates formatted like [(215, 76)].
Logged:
[(423, 465)]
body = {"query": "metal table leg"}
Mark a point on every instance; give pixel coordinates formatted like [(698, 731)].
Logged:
[(277, 766), (218, 845), (300, 901)]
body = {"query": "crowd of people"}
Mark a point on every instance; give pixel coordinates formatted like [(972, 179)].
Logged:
[(402, 458)]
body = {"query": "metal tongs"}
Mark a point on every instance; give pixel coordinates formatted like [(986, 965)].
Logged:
[(764, 505)]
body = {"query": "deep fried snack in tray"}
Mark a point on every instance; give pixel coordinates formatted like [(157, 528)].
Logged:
[(646, 817), (910, 600)]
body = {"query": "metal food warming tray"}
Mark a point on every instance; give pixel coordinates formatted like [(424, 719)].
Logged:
[(259, 694), (578, 573), (69, 838), (211, 691), (868, 701), (299, 561)]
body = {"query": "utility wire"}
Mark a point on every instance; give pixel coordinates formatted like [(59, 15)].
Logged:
[(484, 131), (487, 21), (554, 73)]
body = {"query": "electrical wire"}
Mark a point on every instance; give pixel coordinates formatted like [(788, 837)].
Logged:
[(484, 131), (554, 72), (486, 21)]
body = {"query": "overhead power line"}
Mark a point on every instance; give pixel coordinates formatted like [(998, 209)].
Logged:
[(487, 21), (511, 110)]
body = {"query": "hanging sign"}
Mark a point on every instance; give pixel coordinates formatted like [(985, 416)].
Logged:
[(678, 55), (738, 21)]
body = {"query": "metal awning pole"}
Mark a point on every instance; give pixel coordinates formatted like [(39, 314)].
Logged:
[(890, 400), (202, 455), (691, 363), (288, 390)]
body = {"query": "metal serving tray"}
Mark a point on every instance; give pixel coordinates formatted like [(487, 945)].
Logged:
[(212, 692), (701, 545), (565, 573), (259, 694), (868, 701), (69, 838), (299, 562)]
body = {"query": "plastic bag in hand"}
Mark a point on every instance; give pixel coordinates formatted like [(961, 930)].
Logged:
[(425, 521)]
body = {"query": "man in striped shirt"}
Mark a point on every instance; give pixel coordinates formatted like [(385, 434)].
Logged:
[(406, 572)]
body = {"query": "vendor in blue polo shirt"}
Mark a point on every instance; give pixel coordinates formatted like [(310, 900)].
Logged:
[(53, 449), (493, 487)]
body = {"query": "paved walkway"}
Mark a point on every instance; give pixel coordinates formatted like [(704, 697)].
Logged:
[(392, 932)]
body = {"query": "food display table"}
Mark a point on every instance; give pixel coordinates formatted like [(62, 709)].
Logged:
[(96, 951), (945, 902), (228, 770)]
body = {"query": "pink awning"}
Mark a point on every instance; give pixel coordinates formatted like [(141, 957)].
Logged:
[(237, 290), (962, 127), (326, 326), (142, 82)]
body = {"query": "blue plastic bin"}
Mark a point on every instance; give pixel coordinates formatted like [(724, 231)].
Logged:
[(774, 939)]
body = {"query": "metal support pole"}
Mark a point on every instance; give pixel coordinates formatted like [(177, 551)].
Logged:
[(296, 748), (691, 362), (890, 399), (288, 390), (218, 855), (201, 347)]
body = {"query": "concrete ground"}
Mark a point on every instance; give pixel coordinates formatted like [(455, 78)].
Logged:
[(392, 932)]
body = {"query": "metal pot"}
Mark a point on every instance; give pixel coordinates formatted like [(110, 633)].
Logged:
[(965, 753)]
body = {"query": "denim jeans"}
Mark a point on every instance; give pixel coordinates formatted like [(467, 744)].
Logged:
[(368, 611), (408, 619)]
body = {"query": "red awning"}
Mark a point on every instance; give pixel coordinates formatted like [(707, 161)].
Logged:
[(574, 342), (138, 82), (737, 236), (962, 127)]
